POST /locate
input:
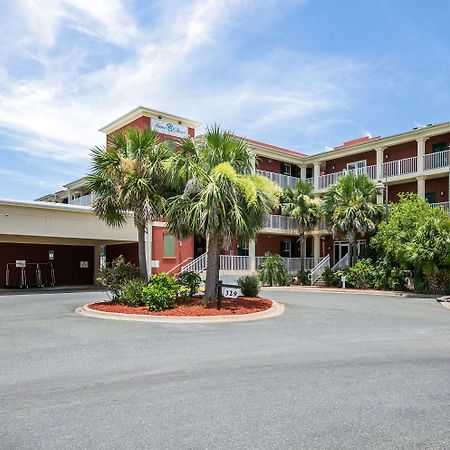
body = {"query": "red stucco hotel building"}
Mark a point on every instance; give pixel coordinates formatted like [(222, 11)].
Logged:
[(413, 161)]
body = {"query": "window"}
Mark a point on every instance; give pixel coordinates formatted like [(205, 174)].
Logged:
[(286, 169), (285, 249), (440, 147), (357, 166), (169, 246), (430, 197)]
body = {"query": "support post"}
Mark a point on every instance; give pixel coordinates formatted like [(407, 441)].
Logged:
[(148, 247), (252, 255), (421, 187), (316, 245), (97, 262), (420, 154), (380, 160), (316, 175)]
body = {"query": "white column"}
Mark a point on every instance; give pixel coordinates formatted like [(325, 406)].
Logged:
[(380, 160), (316, 175), (69, 196), (148, 247), (252, 255), (420, 154), (302, 172), (421, 186), (97, 255), (316, 248)]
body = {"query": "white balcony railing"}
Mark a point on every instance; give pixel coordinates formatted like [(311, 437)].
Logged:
[(234, 263), (436, 160), (281, 179), (277, 222), (85, 200), (444, 205), (329, 179), (400, 167)]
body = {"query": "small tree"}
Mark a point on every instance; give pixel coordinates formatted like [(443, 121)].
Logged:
[(350, 209), (272, 271), (130, 175), (299, 205)]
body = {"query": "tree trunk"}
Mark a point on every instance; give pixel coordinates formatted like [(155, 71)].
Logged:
[(141, 251), (302, 256), (212, 269)]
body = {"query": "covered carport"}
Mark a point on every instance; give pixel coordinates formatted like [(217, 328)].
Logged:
[(54, 244)]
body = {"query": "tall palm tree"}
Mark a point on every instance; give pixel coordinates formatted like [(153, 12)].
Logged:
[(298, 204), (350, 209), (130, 175), (222, 200)]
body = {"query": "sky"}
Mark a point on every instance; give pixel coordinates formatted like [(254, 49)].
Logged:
[(305, 75)]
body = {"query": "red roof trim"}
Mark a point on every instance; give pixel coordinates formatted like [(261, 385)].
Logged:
[(357, 141), (274, 147)]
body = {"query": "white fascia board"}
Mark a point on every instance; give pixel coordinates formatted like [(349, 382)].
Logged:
[(142, 111)]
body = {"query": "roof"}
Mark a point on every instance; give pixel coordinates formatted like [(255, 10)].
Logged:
[(143, 111), (274, 147), (357, 141)]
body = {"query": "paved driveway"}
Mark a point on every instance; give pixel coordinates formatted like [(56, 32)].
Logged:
[(335, 371)]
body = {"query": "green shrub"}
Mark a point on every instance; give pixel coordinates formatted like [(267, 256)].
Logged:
[(249, 285), (115, 277), (189, 283), (131, 294), (273, 271), (362, 275), (160, 292), (332, 279)]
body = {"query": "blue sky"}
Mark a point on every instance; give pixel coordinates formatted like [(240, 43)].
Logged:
[(306, 75)]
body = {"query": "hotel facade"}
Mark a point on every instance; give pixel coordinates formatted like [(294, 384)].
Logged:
[(58, 240)]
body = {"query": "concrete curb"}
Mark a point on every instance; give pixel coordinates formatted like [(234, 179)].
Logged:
[(274, 311), (352, 291)]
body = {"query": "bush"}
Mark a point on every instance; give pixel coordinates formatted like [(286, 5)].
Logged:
[(131, 294), (362, 275), (115, 277), (161, 292), (330, 278), (249, 285), (273, 270), (189, 283)]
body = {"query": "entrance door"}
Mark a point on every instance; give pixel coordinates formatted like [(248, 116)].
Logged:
[(341, 248), (430, 197)]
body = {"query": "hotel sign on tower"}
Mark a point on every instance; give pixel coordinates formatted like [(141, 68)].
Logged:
[(161, 126)]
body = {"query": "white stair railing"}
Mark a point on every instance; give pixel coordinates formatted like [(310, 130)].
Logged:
[(197, 265), (234, 263), (317, 272), (342, 263)]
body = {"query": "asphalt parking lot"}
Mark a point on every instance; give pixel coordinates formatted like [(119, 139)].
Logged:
[(334, 371)]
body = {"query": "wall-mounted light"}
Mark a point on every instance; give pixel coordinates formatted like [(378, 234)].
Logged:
[(269, 161), (386, 155), (333, 167), (179, 122), (442, 193), (159, 117)]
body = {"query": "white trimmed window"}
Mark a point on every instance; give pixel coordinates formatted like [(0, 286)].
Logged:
[(169, 246), (357, 166)]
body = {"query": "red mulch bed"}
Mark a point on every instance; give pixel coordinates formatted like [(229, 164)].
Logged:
[(193, 307)]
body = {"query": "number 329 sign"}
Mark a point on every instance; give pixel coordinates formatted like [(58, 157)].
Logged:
[(229, 292)]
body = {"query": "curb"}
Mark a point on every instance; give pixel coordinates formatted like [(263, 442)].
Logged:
[(274, 311), (352, 291)]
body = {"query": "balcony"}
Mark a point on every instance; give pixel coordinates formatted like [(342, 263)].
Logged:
[(400, 167), (85, 200), (436, 160), (282, 180), (444, 205), (280, 223), (330, 179)]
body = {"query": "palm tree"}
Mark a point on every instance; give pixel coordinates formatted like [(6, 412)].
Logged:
[(222, 200), (299, 205), (350, 208), (130, 175)]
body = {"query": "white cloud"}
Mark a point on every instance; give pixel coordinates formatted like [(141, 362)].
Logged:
[(171, 65)]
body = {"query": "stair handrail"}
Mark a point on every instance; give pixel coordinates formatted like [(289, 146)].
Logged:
[(342, 263), (200, 261), (317, 272), (178, 265)]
